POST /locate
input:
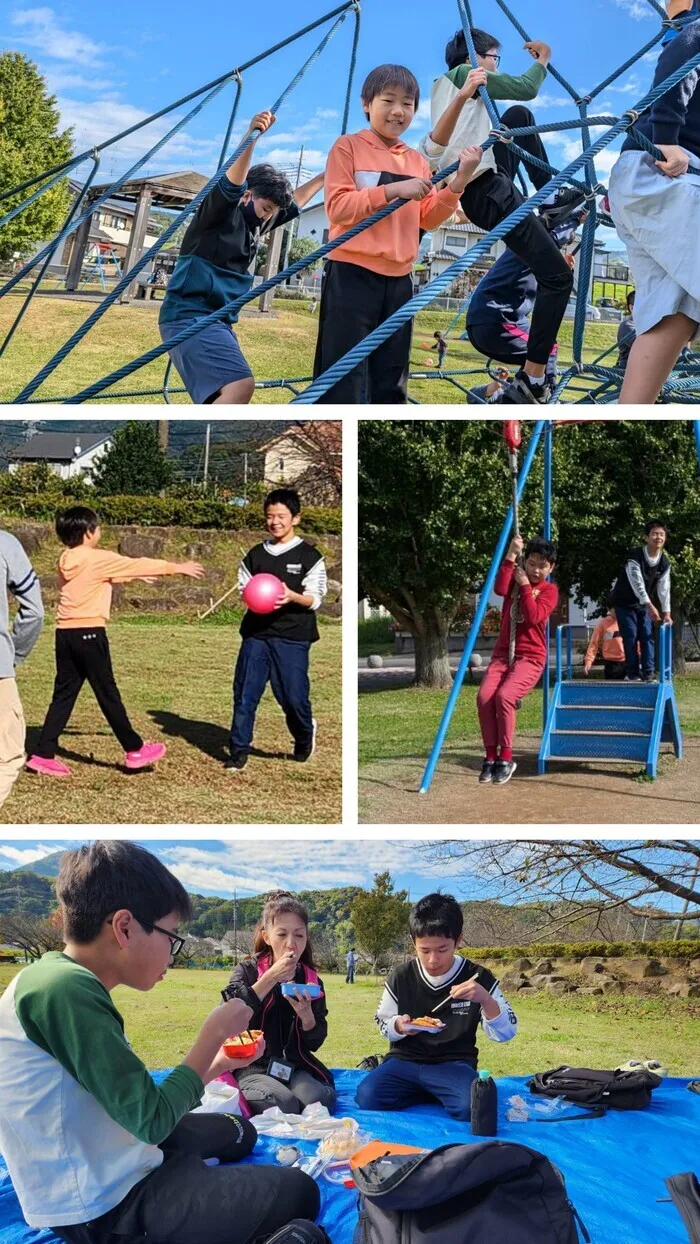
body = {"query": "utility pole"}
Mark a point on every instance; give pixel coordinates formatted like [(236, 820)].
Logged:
[(207, 444), (163, 429), (235, 929), (686, 905), (290, 229), (245, 474)]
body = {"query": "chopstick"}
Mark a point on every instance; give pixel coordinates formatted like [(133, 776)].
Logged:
[(449, 996)]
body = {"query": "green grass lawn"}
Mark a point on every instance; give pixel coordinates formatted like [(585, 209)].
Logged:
[(586, 1032), (280, 345), (404, 722), (175, 680)]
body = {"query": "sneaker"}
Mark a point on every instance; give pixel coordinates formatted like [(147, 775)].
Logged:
[(48, 768), (503, 771), (565, 204), (238, 760), (521, 392), (147, 754), (487, 768), (304, 751), (650, 678)]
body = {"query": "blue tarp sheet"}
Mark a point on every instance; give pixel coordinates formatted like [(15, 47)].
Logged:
[(614, 1167)]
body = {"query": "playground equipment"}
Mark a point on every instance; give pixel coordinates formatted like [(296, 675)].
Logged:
[(600, 382), (581, 721), (611, 721)]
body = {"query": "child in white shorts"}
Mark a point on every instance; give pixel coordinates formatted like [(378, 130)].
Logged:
[(656, 209)]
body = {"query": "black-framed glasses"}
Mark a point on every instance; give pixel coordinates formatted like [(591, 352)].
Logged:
[(494, 56), (176, 942)]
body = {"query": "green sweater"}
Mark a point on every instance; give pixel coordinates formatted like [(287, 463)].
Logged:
[(80, 1116), (504, 85)]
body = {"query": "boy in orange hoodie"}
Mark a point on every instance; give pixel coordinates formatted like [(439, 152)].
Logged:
[(369, 278), (86, 574), (607, 633)]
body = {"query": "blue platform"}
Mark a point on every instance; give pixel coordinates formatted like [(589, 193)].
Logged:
[(614, 1167), (627, 722)]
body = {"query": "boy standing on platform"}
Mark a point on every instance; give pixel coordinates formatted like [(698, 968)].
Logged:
[(642, 596)]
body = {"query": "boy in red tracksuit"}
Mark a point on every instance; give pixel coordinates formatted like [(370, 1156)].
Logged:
[(504, 684)]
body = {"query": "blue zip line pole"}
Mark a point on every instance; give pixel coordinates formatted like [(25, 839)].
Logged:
[(480, 612), (547, 532), (696, 423)]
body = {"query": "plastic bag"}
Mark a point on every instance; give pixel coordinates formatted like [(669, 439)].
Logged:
[(314, 1123), (220, 1098)]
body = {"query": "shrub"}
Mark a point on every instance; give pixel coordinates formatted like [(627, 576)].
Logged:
[(119, 511), (685, 948)]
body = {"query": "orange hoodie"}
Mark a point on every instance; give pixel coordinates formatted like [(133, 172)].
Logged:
[(608, 631), (356, 163), (85, 578)]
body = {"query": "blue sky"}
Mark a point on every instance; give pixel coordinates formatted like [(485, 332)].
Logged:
[(110, 68), (215, 867)]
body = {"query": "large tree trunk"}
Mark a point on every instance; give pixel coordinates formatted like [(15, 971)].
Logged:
[(432, 659)]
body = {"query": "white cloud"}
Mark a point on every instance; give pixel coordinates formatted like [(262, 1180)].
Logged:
[(103, 118), (637, 9), (15, 857), (294, 864), (554, 101), (327, 114), (60, 81), (313, 159), (43, 32)]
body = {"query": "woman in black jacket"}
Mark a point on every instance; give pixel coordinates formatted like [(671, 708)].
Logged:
[(287, 1074)]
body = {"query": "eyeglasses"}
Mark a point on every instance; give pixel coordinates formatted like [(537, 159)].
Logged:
[(176, 942), (494, 56)]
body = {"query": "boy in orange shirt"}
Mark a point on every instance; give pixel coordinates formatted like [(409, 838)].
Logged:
[(86, 575), (607, 633), (369, 278)]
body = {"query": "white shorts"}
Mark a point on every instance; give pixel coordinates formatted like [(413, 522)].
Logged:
[(658, 219)]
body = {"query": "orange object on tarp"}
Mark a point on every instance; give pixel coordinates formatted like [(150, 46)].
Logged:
[(511, 433), (380, 1149), (243, 1046)]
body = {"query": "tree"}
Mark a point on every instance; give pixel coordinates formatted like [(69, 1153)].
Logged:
[(583, 877), (380, 917), (432, 499), (321, 442), (135, 465), (300, 248), (30, 142), (609, 478), (32, 935)]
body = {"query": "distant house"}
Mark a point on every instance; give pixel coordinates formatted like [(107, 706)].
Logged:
[(309, 457), (451, 241), (65, 453)]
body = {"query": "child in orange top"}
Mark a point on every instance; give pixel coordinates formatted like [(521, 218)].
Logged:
[(86, 575), (369, 278), (607, 633)]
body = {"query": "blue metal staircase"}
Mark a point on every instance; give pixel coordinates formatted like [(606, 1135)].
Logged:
[(611, 721)]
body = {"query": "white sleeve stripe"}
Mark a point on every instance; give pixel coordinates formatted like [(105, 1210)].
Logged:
[(316, 583), (244, 576)]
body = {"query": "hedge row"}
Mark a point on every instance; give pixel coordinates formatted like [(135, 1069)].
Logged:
[(685, 948), (171, 512)]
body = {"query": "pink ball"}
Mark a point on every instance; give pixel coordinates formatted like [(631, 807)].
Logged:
[(262, 592)]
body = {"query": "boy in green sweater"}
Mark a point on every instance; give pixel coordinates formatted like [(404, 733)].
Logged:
[(97, 1151), (460, 118)]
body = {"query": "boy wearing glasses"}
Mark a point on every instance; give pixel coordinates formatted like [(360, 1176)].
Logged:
[(95, 1149), (460, 119)]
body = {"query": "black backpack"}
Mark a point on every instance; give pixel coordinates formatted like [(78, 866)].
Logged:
[(493, 1191), (598, 1090), (685, 1194)]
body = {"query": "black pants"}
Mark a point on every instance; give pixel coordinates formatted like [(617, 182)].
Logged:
[(614, 671), (508, 161), (507, 342), (354, 301), (185, 1202), (486, 202), (83, 656)]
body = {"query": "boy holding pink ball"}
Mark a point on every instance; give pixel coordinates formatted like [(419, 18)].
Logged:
[(278, 628)]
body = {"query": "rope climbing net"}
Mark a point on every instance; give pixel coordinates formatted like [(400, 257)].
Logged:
[(583, 381)]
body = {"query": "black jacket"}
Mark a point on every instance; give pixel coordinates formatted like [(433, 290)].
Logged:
[(284, 1034)]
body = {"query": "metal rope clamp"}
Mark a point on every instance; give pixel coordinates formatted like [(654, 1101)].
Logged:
[(501, 135), (585, 99), (632, 114)]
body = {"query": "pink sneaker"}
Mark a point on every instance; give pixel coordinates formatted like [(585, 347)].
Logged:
[(148, 754), (48, 768)]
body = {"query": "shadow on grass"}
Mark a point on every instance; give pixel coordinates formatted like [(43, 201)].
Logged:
[(206, 736)]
